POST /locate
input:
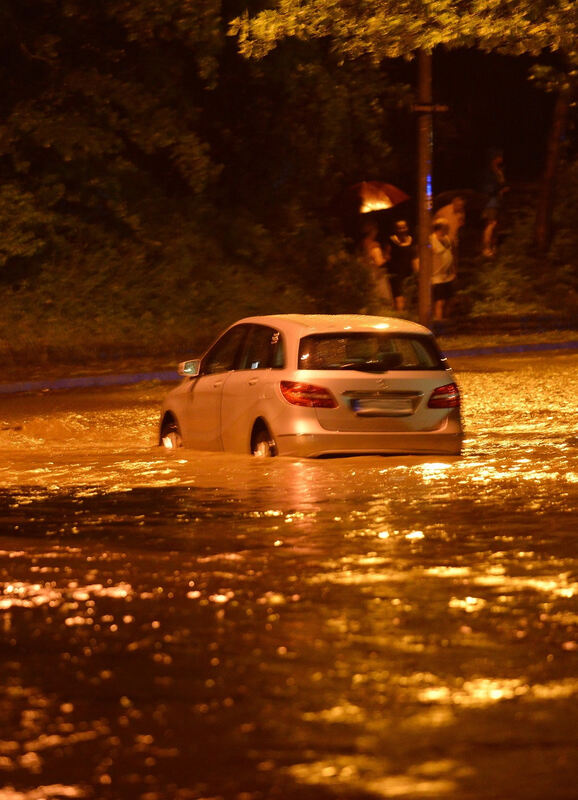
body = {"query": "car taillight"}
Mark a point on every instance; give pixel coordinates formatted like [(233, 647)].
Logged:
[(307, 394), (447, 396)]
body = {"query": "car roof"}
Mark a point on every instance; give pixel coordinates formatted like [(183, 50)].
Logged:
[(305, 324)]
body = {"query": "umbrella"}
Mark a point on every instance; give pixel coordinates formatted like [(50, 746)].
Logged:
[(377, 196)]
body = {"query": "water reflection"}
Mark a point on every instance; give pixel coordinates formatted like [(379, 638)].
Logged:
[(186, 626)]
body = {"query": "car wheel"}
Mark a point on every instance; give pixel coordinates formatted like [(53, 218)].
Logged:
[(171, 436), (263, 444)]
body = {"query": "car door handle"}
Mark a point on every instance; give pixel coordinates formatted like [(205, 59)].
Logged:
[(253, 381), (217, 384)]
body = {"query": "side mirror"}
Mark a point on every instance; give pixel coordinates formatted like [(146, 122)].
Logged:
[(189, 369)]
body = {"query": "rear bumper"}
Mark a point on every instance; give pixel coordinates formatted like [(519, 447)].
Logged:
[(328, 443)]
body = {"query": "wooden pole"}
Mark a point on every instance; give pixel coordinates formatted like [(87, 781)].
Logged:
[(424, 189), (545, 204)]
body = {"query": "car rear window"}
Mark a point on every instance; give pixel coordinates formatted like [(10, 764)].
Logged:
[(372, 352)]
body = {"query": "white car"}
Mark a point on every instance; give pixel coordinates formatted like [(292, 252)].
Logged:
[(316, 385)]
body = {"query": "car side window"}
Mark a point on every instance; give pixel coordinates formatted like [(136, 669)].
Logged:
[(223, 355), (263, 349)]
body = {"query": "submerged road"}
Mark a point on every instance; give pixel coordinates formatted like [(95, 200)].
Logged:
[(186, 626)]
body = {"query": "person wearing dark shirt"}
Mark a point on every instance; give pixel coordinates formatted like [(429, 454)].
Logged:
[(400, 261)]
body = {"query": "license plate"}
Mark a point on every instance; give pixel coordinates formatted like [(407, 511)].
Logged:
[(382, 406)]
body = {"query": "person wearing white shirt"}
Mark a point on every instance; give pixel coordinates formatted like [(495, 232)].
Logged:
[(443, 267)]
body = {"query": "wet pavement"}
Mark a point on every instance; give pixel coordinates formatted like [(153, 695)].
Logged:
[(185, 625)]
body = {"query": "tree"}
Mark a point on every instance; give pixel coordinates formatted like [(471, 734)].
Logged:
[(394, 28), (563, 82), (385, 29), (94, 121)]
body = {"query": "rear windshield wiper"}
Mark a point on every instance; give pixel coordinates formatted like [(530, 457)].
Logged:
[(377, 365)]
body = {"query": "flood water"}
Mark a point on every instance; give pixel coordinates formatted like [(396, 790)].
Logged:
[(185, 626)]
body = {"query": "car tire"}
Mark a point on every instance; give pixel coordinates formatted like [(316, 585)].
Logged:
[(171, 436), (263, 444)]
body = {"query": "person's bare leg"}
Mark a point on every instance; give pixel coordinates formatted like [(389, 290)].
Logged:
[(488, 248), (438, 310)]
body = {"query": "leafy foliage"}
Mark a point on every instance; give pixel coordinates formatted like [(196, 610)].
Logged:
[(91, 138), (23, 222), (394, 28), (139, 155), (520, 280), (155, 184)]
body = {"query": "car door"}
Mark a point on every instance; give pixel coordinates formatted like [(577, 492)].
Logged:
[(249, 389), (203, 415)]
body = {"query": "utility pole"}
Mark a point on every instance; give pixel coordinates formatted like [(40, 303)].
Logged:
[(424, 109)]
